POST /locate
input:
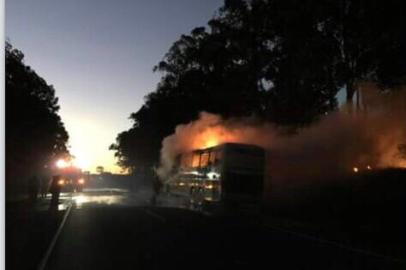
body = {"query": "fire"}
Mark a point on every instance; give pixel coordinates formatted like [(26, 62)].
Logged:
[(360, 144), (400, 164), (209, 138), (210, 143), (213, 136)]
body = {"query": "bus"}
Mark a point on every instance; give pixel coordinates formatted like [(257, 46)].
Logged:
[(229, 174)]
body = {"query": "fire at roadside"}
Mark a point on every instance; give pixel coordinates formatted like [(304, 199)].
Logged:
[(335, 151), (339, 144)]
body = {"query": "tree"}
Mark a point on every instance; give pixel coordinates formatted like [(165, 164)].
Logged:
[(282, 61), (300, 71), (100, 169), (369, 36), (35, 134)]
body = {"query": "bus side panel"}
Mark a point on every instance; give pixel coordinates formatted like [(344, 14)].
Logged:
[(243, 184)]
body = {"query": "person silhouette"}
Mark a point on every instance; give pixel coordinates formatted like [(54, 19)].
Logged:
[(55, 190), (156, 186)]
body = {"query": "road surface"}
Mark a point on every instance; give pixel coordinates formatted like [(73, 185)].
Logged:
[(114, 229)]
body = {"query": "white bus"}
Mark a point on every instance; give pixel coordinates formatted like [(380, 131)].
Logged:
[(227, 174)]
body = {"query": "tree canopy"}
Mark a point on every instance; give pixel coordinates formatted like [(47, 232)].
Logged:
[(282, 61), (35, 133)]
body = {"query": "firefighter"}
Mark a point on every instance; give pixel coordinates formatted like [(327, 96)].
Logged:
[(156, 188), (55, 190)]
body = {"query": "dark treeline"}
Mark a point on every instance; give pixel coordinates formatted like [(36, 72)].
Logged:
[(35, 133), (281, 61)]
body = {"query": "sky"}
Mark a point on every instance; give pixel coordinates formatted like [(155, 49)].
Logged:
[(99, 55)]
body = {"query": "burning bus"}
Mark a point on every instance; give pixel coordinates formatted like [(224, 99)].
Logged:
[(226, 174)]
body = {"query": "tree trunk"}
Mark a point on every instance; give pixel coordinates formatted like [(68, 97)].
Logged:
[(357, 98), (350, 97)]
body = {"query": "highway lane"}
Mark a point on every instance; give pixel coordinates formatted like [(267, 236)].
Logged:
[(113, 229)]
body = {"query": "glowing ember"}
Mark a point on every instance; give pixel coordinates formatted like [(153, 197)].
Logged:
[(369, 167), (355, 169)]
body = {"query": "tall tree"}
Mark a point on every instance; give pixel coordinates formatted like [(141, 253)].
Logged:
[(35, 133), (280, 60), (369, 35)]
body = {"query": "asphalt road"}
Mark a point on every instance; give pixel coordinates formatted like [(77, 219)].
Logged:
[(113, 229)]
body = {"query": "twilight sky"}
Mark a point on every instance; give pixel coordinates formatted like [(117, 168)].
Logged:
[(99, 56)]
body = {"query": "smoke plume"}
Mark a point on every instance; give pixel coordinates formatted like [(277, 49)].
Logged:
[(338, 142)]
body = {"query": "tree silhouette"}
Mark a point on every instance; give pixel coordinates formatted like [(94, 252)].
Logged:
[(368, 35), (35, 134), (282, 61), (100, 169)]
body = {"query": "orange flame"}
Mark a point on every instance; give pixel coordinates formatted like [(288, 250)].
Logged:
[(213, 136), (211, 142)]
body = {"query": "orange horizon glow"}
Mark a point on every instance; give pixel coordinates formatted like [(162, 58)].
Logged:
[(86, 166), (89, 140)]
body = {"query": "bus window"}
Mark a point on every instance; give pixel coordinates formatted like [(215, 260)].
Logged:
[(217, 157), (204, 160), (196, 160), (212, 157)]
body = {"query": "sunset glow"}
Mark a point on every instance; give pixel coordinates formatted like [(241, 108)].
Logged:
[(89, 141), (81, 162)]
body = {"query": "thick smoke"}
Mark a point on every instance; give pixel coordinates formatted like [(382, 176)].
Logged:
[(325, 150)]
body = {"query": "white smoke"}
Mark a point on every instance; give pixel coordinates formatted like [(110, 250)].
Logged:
[(327, 149)]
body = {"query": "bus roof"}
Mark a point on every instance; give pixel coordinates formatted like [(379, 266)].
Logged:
[(229, 145)]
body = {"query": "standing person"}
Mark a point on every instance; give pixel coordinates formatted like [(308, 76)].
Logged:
[(33, 187), (55, 190), (157, 188)]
